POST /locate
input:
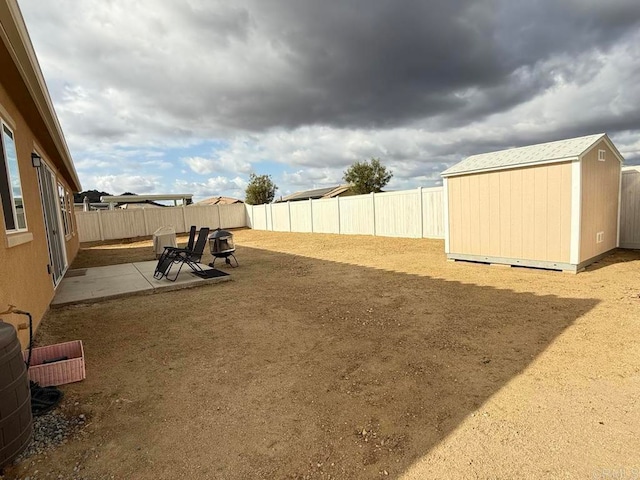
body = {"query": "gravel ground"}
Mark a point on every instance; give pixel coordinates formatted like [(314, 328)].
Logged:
[(50, 430)]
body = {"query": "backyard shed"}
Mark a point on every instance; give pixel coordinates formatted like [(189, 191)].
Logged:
[(554, 205), (630, 208)]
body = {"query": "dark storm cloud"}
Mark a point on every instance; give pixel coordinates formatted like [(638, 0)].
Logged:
[(529, 31), (257, 65), (386, 63)]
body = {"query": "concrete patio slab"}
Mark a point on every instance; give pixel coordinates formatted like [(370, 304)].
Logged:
[(89, 285), (185, 279), (103, 272)]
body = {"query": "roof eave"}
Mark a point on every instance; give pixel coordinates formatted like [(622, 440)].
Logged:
[(21, 50), (510, 167)]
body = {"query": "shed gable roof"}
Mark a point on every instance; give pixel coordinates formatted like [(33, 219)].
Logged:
[(561, 150)]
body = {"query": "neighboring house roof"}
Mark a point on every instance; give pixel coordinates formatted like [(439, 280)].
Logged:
[(317, 193), (551, 152), (339, 191), (218, 201), (15, 37)]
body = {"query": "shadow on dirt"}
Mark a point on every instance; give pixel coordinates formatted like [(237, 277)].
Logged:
[(304, 368), (619, 255)]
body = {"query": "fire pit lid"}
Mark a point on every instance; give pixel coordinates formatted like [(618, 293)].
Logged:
[(218, 233)]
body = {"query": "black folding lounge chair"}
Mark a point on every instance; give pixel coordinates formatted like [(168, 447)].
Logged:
[(163, 262), (192, 239), (179, 256)]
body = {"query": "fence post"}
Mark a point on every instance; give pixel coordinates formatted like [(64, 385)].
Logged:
[(100, 228), (289, 205), (184, 217), (145, 223), (271, 215), (373, 211), (421, 212), (311, 211), (266, 217), (339, 229)]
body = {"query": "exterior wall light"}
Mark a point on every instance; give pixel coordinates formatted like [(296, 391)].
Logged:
[(36, 160)]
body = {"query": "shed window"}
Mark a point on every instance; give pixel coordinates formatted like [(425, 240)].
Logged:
[(10, 188), (602, 155)]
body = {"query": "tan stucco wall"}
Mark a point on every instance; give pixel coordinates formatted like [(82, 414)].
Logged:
[(523, 213), (24, 280), (600, 196)]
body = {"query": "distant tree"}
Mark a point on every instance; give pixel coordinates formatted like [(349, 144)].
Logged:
[(94, 196), (260, 189), (367, 177)]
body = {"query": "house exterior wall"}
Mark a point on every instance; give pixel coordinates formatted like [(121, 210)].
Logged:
[(24, 280), (600, 197), (522, 213)]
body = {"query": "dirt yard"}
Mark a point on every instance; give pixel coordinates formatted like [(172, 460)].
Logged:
[(354, 357)]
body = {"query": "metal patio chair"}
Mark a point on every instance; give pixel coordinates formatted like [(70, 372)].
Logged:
[(179, 256)]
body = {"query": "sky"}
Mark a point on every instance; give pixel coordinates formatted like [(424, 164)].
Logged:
[(192, 96)]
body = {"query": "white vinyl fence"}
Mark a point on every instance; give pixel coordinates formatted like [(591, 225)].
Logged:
[(410, 213), (140, 222)]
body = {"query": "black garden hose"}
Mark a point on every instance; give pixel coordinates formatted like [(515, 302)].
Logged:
[(44, 399), (21, 312)]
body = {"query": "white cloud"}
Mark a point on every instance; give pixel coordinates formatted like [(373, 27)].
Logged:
[(91, 163), (157, 164), (228, 160), (213, 186), (118, 184), (309, 178)]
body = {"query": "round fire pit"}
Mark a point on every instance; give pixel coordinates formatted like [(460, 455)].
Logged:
[(222, 246)]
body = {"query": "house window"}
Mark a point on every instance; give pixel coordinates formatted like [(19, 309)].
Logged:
[(64, 209), (10, 188), (602, 155)]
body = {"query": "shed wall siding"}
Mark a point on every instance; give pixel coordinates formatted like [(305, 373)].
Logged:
[(630, 211), (522, 213), (600, 185)]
